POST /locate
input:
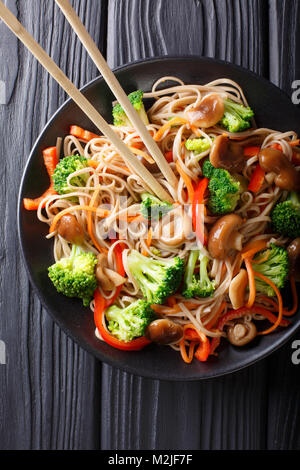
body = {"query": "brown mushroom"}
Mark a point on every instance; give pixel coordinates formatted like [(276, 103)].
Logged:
[(294, 257), (237, 289), (164, 331), (241, 333), (224, 236), (70, 229), (107, 278), (208, 113), (275, 161), (227, 154)]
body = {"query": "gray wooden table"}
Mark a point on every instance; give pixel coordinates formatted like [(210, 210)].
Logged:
[(53, 394)]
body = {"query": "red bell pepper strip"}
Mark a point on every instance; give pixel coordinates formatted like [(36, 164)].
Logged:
[(198, 210), (169, 156), (241, 312), (83, 134), (203, 350), (257, 179), (50, 161), (251, 151), (100, 306)]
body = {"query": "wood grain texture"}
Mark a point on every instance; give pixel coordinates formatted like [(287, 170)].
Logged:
[(283, 427), (49, 387), (226, 413), (8, 49), (284, 20)]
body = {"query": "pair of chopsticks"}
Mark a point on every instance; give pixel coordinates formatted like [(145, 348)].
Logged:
[(87, 107)]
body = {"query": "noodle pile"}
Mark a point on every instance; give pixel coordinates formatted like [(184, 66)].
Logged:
[(114, 186)]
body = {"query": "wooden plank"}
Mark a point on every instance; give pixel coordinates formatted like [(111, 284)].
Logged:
[(8, 49), (284, 17), (283, 375), (49, 387), (226, 413)]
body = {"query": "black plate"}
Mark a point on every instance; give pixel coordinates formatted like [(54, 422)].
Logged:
[(272, 109)]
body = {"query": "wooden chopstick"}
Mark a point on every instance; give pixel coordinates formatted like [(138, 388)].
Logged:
[(117, 90), (11, 21)]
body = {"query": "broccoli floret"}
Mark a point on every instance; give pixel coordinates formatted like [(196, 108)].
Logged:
[(157, 279), (286, 216), (130, 322), (153, 208), (64, 169), (197, 285), (74, 276), (224, 189), (236, 117), (275, 267), (198, 145), (119, 115)]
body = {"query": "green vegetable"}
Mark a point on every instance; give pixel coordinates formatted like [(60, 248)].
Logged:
[(198, 145), (285, 216), (135, 98), (154, 208), (197, 285), (75, 276), (236, 116), (64, 169), (275, 267), (130, 322), (157, 279), (224, 189)]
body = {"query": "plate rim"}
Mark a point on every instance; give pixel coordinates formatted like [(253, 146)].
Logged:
[(98, 355)]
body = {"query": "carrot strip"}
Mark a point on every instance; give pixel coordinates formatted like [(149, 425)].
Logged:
[(280, 303), (187, 358), (149, 237), (191, 326), (139, 152), (187, 180), (93, 164), (216, 316), (253, 247), (163, 309), (172, 122), (294, 143), (90, 221), (251, 279), (83, 134), (261, 260)]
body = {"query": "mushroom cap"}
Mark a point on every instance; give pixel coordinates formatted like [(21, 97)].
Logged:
[(226, 154), (275, 161), (224, 236), (241, 333), (164, 331), (209, 112), (294, 257)]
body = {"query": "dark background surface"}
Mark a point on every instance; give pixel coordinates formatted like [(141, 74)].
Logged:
[(53, 395)]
